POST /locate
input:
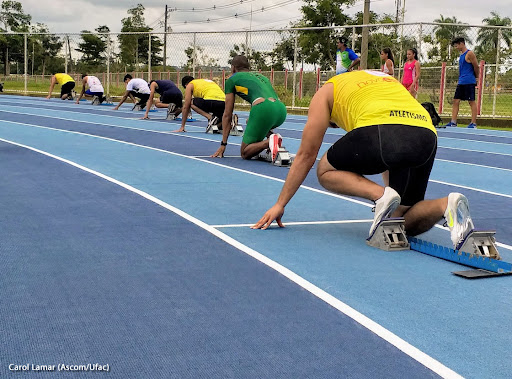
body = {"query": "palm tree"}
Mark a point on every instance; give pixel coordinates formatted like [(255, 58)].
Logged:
[(488, 38), (444, 34)]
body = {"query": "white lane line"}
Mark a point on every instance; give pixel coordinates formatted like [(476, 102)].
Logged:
[(473, 151), (296, 223), (474, 164), (363, 320), (471, 188)]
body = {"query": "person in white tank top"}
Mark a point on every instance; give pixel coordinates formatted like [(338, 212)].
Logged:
[(389, 66), (95, 88)]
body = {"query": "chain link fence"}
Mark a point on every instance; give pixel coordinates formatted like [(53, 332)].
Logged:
[(297, 61)]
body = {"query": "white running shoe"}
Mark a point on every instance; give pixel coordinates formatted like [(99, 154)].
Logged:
[(385, 206), (170, 111), (274, 143), (211, 122), (458, 218)]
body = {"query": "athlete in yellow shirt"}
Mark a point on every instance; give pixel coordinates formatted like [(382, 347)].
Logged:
[(66, 83), (388, 130), (206, 98)]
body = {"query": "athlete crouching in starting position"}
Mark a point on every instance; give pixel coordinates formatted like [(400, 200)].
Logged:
[(394, 134), (267, 112)]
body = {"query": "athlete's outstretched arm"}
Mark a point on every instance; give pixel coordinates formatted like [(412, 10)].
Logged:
[(318, 120), (226, 124), (186, 106)]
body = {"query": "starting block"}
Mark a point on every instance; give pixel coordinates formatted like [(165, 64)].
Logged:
[(137, 108), (481, 242), (108, 101), (478, 250), (283, 159), (214, 128), (95, 101), (236, 128), (389, 235)]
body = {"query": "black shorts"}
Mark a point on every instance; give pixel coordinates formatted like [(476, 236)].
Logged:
[(172, 97), (66, 88), (215, 107), (465, 92), (408, 153), (143, 97)]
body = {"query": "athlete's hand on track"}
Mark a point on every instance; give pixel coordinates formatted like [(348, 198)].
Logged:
[(274, 213), (219, 153), (180, 130), (145, 118)]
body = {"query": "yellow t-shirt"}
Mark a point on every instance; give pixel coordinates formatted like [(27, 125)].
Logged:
[(364, 98), (63, 78), (208, 90)]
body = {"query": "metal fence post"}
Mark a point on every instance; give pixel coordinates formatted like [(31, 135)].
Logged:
[(66, 45), (294, 69), (149, 57), (480, 85), (194, 57), (108, 65), (353, 38), (419, 41), (442, 87), (25, 53), (247, 44), (496, 68)]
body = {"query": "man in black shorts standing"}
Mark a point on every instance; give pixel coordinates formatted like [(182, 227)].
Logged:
[(170, 97), (468, 77), (387, 130)]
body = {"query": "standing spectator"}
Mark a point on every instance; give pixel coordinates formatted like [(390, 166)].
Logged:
[(468, 77), (346, 59), (412, 72), (389, 63)]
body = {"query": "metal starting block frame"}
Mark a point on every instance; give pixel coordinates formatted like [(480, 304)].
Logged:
[(478, 250), (389, 235), (236, 128), (214, 129), (284, 158), (95, 100)]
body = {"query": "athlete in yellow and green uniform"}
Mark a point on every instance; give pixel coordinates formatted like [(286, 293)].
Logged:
[(267, 112), (66, 83), (387, 130)]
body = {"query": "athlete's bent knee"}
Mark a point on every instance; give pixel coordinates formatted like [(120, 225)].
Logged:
[(323, 167)]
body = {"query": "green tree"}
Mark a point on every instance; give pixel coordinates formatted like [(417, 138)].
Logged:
[(202, 60), (256, 59), (378, 38), (319, 46), (488, 38), (283, 54), (92, 48), (13, 19), (135, 47), (441, 50), (45, 50)]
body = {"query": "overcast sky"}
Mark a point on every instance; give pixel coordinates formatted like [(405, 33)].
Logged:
[(72, 16)]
